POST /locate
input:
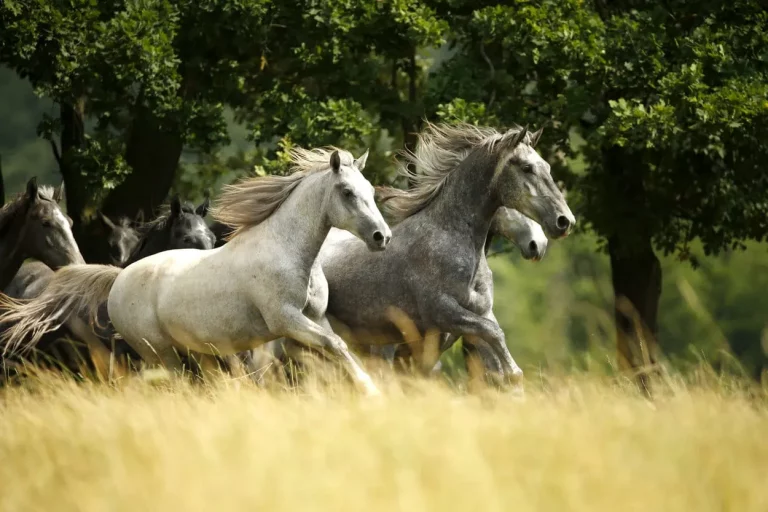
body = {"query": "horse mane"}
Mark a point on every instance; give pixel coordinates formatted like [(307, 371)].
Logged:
[(10, 209), (439, 151), (250, 201), (162, 220)]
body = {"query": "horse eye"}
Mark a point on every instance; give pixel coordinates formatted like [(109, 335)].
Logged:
[(47, 223), (348, 193), (528, 168)]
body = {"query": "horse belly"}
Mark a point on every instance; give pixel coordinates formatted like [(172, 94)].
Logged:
[(218, 327)]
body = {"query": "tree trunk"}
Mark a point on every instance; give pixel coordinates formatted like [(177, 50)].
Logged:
[(153, 153), (72, 139), (635, 269), (636, 274), (2, 184)]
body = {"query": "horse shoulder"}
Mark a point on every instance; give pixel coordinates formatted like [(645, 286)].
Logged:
[(445, 257)]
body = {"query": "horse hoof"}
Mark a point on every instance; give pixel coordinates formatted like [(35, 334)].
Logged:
[(371, 390), (516, 376), (515, 380)]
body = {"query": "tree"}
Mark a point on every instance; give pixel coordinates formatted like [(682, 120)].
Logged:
[(139, 82), (668, 101), (111, 68)]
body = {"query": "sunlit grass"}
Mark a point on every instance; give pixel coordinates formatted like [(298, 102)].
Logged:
[(570, 444)]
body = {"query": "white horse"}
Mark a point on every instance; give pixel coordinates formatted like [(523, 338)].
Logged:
[(263, 284)]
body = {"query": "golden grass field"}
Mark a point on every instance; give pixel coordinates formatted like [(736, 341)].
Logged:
[(578, 443)]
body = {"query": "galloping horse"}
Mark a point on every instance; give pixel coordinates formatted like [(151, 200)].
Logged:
[(429, 274), (528, 236), (263, 284)]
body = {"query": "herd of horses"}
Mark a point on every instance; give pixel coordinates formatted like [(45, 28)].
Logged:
[(291, 263)]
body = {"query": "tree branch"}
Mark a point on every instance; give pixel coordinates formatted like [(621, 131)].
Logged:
[(493, 74), (56, 153)]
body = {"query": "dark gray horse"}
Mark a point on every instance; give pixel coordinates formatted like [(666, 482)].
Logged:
[(429, 274), (121, 239), (182, 226), (33, 226), (529, 238)]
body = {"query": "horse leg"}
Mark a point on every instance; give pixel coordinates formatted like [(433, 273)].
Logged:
[(479, 357), (157, 354), (320, 336), (505, 355), (450, 316), (209, 366), (481, 361), (100, 355)]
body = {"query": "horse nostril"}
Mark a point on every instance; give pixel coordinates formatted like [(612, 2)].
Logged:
[(387, 239), (563, 223), (378, 236), (533, 248)]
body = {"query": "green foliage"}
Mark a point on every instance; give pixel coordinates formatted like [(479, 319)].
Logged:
[(460, 110), (682, 94)]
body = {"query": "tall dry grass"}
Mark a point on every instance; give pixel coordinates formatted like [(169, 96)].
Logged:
[(575, 444)]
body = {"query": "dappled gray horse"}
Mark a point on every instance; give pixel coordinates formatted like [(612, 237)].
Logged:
[(263, 284), (525, 234), (33, 226), (428, 274)]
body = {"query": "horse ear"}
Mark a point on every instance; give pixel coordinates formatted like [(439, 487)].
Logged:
[(535, 137), (32, 188), (139, 217), (106, 221), (58, 194), (335, 161), (519, 138), (175, 206), (202, 210), (360, 162)]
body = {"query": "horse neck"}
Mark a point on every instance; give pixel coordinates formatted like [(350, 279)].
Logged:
[(300, 224), (12, 254), (469, 200)]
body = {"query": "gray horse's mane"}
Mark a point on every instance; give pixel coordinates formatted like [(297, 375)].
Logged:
[(11, 208), (439, 151), (250, 201)]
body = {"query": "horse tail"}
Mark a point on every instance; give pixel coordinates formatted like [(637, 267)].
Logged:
[(73, 290)]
